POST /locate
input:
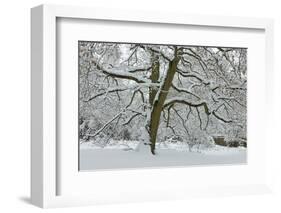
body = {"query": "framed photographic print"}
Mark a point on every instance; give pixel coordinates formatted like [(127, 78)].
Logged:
[(149, 106)]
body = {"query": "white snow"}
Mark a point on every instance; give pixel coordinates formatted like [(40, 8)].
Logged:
[(127, 155)]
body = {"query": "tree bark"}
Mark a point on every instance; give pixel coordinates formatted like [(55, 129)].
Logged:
[(159, 102), (154, 77)]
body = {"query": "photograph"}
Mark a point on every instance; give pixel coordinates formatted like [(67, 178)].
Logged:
[(147, 105)]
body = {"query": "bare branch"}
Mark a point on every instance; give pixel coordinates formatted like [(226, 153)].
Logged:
[(220, 118), (118, 73), (184, 91), (159, 52), (131, 118), (107, 124), (200, 120), (182, 121), (184, 101), (110, 90)]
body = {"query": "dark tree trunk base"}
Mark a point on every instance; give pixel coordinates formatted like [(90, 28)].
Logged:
[(152, 149)]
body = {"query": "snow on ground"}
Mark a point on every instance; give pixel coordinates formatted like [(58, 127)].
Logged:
[(127, 155)]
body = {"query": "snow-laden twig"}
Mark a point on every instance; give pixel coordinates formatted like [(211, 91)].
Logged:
[(153, 49), (123, 72), (180, 89), (105, 125), (183, 100), (201, 103), (112, 90)]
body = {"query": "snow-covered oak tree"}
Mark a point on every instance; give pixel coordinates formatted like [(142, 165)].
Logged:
[(155, 92)]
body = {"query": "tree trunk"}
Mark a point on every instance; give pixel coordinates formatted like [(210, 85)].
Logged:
[(159, 102), (154, 77)]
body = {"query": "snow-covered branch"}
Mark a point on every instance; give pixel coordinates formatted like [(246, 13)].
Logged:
[(178, 100), (106, 124), (221, 118), (123, 72), (193, 75), (111, 90), (179, 89), (181, 100)]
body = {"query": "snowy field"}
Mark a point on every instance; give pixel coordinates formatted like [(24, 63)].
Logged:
[(93, 157)]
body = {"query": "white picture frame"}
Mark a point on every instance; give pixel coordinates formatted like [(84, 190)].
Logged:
[(44, 154)]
